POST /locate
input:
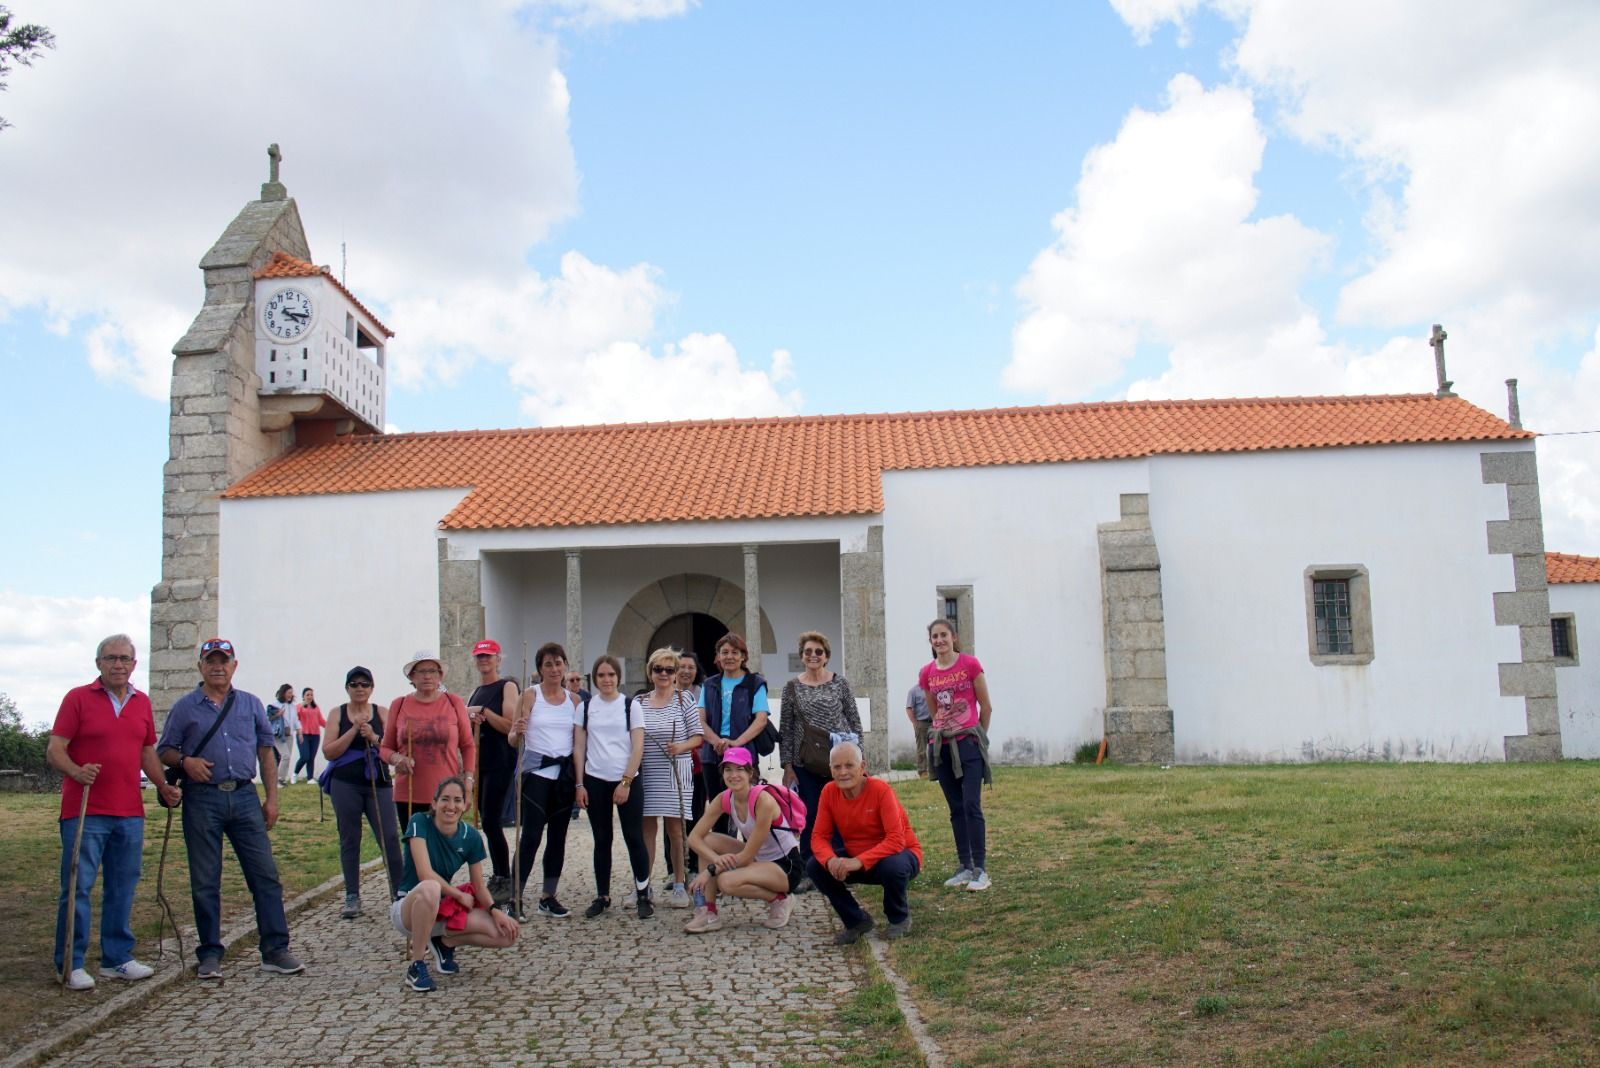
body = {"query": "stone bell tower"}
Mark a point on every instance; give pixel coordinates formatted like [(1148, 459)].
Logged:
[(215, 432)]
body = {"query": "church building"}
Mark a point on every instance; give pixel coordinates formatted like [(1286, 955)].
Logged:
[(1233, 580)]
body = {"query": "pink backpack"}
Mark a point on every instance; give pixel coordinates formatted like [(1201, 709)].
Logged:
[(791, 809)]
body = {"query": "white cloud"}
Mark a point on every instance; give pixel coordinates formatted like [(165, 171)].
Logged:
[(1161, 248), (436, 146), (47, 645)]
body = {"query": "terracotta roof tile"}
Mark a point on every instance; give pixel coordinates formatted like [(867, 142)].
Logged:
[(283, 265), (1566, 567), (823, 465)]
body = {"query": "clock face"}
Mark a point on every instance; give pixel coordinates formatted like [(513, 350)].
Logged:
[(287, 313)]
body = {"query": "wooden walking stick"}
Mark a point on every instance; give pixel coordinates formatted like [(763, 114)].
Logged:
[(166, 915), (72, 888), (472, 798)]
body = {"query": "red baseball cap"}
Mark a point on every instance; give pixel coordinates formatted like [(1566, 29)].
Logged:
[(488, 647)]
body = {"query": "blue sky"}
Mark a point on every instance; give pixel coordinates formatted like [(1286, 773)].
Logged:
[(597, 210)]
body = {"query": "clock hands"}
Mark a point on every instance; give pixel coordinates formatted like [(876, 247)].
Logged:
[(300, 317)]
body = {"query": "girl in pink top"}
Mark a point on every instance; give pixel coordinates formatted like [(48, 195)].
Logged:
[(311, 723), (958, 746)]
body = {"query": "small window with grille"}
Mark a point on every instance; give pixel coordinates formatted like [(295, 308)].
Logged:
[(1339, 615), (1564, 639)]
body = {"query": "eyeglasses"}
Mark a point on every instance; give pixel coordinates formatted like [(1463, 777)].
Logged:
[(426, 671), (362, 684), (116, 659), (813, 652), (663, 669)]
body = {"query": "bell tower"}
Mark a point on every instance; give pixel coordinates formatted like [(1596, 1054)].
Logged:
[(216, 431)]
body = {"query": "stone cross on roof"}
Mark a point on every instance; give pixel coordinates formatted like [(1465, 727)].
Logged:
[(272, 189), (1436, 339)]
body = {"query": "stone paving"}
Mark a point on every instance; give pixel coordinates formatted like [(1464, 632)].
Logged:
[(610, 991)]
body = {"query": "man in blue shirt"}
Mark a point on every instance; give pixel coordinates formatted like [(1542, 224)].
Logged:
[(219, 798)]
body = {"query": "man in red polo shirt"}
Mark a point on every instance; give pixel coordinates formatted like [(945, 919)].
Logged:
[(104, 734)]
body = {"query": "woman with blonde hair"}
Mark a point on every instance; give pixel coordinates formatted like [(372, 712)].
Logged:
[(671, 732), (818, 711)]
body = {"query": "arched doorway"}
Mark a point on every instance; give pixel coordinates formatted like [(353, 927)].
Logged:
[(693, 632)]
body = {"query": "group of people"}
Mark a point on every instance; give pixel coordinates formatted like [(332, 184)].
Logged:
[(674, 765)]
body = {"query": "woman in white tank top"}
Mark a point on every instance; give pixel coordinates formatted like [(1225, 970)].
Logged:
[(544, 733)]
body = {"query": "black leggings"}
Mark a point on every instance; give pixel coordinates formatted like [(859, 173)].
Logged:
[(491, 802), (546, 812), (631, 815)]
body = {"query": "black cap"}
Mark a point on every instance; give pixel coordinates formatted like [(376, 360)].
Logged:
[(357, 672)]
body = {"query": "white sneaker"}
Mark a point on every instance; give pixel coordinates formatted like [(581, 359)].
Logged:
[(962, 877), (80, 980), (679, 898), (130, 970), (980, 880)]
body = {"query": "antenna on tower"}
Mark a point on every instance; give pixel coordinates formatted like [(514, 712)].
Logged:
[(344, 266)]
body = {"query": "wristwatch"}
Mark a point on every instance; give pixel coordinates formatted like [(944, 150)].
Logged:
[(627, 780)]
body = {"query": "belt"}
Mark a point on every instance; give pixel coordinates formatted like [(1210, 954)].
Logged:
[(227, 786)]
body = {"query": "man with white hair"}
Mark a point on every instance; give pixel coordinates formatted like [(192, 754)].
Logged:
[(103, 736), (879, 846)]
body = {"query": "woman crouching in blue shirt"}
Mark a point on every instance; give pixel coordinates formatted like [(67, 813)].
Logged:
[(437, 845)]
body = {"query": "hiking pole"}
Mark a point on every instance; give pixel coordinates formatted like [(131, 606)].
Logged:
[(167, 915), (472, 802), (72, 888)]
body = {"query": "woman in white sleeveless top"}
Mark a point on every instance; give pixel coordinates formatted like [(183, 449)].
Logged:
[(547, 721)]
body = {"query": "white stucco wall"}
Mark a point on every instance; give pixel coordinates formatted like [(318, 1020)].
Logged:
[(1578, 684), (1236, 533), (1024, 538), (310, 586)]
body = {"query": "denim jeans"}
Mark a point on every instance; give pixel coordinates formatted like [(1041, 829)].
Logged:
[(112, 846), (208, 814), (893, 873), (964, 797)]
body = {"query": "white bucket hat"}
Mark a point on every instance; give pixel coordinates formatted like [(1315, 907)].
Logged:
[(421, 656)]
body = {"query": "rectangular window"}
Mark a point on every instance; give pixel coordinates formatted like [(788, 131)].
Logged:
[(1330, 601), (955, 604), (1564, 639), (1338, 615)]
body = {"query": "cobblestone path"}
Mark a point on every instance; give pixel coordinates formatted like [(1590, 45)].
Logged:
[(609, 991)]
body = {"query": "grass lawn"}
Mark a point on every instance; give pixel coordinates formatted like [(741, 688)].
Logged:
[(1350, 914), (30, 857)]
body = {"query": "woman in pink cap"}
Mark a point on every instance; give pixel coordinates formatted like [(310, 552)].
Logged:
[(763, 863)]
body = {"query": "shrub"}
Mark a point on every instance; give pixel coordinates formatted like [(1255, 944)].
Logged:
[(20, 748), (1086, 752)]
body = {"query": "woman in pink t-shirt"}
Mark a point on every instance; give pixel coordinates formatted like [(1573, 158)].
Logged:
[(311, 723), (958, 746)]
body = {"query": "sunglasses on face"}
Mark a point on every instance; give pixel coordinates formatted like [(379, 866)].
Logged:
[(662, 669)]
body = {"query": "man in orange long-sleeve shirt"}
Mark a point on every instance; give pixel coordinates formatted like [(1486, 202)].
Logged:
[(879, 846)]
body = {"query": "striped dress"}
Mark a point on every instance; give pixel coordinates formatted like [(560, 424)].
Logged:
[(677, 722)]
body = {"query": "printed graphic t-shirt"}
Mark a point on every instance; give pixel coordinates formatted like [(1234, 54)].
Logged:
[(955, 703)]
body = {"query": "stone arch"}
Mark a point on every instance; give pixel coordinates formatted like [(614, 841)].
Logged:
[(676, 595)]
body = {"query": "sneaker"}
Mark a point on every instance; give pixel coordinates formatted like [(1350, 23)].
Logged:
[(679, 898), (702, 921), (898, 930), (631, 898), (282, 963), (850, 935), (962, 877), (778, 912), (549, 906), (417, 977), (647, 908), (500, 888), (805, 886), (210, 968), (79, 979), (980, 880), (352, 907), (596, 907), (130, 970), (444, 955)]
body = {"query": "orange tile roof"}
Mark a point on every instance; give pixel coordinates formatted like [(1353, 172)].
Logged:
[(823, 465), (1566, 567), (283, 265)]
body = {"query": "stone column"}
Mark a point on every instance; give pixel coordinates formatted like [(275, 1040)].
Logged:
[(861, 640), (461, 617), (1138, 720), (1521, 536), (215, 438), (752, 607), (575, 610)]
